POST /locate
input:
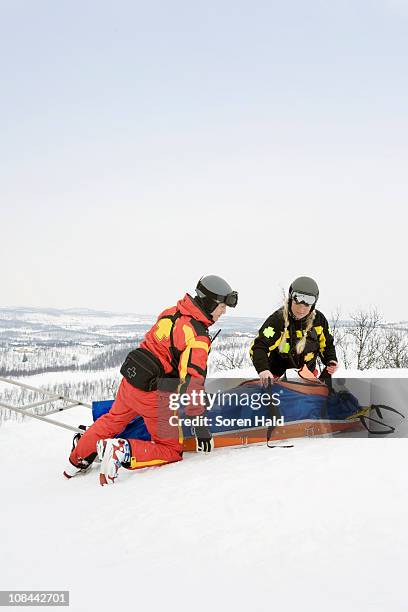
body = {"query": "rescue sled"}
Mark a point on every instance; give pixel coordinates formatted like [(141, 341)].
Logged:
[(306, 408)]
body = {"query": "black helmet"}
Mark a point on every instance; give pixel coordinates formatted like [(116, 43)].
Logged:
[(212, 290), (304, 289)]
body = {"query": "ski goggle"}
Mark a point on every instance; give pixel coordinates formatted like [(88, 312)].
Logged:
[(303, 298), (231, 299)]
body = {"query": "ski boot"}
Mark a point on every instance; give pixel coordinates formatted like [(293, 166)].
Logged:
[(112, 452)]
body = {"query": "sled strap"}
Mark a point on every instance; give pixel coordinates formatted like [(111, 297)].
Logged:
[(379, 407), (388, 429), (273, 411)]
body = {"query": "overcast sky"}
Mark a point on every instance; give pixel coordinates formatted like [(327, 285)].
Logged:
[(144, 144)]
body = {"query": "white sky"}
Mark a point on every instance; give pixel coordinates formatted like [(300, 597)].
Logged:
[(145, 144)]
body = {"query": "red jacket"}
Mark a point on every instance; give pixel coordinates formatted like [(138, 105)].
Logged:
[(180, 340)]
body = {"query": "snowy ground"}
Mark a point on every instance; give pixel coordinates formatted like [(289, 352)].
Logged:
[(321, 526)]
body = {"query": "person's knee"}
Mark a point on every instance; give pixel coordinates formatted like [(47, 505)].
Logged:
[(108, 425)]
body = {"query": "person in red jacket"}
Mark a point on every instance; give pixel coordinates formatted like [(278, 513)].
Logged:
[(177, 348)]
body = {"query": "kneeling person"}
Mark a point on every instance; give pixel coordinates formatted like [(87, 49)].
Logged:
[(177, 346)]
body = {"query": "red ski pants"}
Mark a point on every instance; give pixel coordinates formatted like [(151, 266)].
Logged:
[(166, 441)]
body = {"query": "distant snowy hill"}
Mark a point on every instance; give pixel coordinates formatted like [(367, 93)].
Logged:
[(21, 327), (44, 327), (85, 342)]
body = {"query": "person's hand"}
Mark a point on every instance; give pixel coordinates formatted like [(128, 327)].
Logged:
[(265, 376), (332, 367), (204, 439)]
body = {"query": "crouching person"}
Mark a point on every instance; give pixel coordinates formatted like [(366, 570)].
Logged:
[(294, 336), (176, 347)]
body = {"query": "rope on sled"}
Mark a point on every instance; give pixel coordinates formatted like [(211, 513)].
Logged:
[(387, 429)]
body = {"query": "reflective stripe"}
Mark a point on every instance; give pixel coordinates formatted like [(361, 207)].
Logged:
[(199, 344), (184, 362), (322, 338), (191, 343), (273, 346), (139, 464), (188, 334)]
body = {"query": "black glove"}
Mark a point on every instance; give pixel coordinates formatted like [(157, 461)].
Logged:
[(204, 439), (326, 377)]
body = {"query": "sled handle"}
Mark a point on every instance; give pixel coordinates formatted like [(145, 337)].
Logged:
[(379, 407), (388, 429)]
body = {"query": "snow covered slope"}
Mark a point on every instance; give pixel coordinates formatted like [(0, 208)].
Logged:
[(321, 526)]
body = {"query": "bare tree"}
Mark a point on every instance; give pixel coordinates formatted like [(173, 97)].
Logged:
[(365, 333), (341, 341), (112, 387), (231, 360), (394, 349)]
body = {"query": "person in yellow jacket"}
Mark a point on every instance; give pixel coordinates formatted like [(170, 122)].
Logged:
[(295, 335)]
